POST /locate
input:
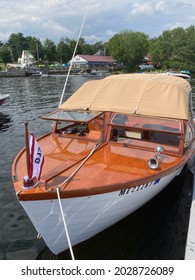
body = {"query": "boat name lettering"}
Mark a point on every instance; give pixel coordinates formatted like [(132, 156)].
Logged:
[(138, 188)]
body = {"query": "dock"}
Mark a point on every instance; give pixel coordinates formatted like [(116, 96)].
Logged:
[(190, 243), (13, 73)]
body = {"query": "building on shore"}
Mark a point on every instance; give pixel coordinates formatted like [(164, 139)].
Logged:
[(27, 59), (90, 63)]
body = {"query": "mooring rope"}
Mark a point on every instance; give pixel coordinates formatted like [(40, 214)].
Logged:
[(59, 198), (65, 225)]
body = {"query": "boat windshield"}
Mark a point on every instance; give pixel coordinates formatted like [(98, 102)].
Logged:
[(71, 116), (169, 125), (137, 130)]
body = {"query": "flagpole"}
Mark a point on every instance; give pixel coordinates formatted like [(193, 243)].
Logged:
[(27, 149)]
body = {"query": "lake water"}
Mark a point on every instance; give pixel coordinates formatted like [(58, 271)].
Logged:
[(156, 231)]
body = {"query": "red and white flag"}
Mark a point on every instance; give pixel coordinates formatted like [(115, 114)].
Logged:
[(36, 158)]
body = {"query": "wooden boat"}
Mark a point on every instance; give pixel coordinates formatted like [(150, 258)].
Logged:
[(3, 97), (115, 144)]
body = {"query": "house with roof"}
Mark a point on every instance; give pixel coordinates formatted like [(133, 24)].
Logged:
[(27, 59), (93, 62)]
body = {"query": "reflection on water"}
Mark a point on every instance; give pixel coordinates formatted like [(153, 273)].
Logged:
[(4, 122), (156, 231)]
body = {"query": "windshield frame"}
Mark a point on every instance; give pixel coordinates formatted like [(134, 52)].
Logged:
[(76, 116)]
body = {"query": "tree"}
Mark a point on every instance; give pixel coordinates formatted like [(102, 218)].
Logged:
[(116, 48), (174, 48), (99, 46), (81, 45), (190, 43), (88, 49), (128, 47), (155, 52), (35, 47), (178, 43), (50, 50), (63, 51), (17, 43), (5, 54), (72, 44)]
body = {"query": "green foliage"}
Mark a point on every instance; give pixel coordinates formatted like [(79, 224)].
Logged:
[(172, 48), (5, 54), (63, 52), (49, 50), (35, 47), (17, 43), (128, 47)]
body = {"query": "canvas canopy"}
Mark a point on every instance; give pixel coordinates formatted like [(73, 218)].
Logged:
[(143, 94)]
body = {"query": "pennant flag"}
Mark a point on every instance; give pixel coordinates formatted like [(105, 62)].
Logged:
[(36, 158)]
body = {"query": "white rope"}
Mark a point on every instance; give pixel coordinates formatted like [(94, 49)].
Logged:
[(59, 199), (76, 170), (65, 226), (70, 67)]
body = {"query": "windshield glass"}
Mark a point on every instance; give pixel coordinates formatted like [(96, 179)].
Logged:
[(130, 121), (72, 116)]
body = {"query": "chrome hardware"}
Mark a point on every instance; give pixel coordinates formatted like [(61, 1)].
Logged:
[(155, 162)]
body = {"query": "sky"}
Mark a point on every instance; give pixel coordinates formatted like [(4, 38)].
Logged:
[(57, 19)]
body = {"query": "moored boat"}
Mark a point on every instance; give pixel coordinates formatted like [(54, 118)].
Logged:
[(146, 66), (178, 74), (115, 144), (186, 72), (3, 97)]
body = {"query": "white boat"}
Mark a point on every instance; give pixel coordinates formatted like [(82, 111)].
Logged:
[(177, 74), (116, 143), (146, 66), (3, 97)]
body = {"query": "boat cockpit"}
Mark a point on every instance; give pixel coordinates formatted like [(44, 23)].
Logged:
[(127, 130)]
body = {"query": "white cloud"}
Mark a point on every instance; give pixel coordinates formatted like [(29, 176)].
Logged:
[(191, 18), (55, 27), (170, 26), (35, 19), (147, 8), (55, 19), (92, 38), (109, 33), (160, 6), (141, 8)]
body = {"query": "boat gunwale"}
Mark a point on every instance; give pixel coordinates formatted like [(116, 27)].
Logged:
[(31, 195)]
